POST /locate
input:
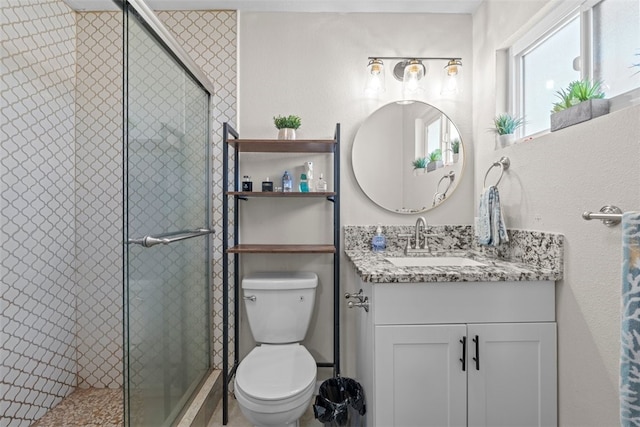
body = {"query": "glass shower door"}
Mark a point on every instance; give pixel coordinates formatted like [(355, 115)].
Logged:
[(166, 228)]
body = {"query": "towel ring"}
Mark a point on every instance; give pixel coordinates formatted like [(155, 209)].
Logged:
[(451, 175), (504, 164)]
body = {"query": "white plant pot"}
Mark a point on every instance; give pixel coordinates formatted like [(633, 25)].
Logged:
[(503, 141), (455, 157), (419, 171), (286, 133)]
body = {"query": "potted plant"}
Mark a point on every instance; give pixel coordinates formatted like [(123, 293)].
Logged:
[(435, 160), (505, 126), (582, 100), (419, 165), (287, 126), (455, 147)]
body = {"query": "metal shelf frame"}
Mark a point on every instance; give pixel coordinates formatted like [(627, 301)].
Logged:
[(231, 138)]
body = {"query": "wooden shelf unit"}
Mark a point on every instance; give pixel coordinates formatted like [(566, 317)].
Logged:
[(281, 249), (280, 194), (283, 145), (231, 139)]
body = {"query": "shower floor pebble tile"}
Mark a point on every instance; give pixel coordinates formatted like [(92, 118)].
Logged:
[(90, 407)]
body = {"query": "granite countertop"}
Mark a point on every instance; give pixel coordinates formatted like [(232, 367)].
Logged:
[(374, 268)]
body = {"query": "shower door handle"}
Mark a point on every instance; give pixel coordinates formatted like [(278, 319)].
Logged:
[(167, 238)]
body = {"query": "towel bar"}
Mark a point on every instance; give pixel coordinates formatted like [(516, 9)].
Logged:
[(610, 215), (503, 163)]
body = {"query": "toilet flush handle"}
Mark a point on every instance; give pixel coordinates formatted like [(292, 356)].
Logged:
[(249, 297)]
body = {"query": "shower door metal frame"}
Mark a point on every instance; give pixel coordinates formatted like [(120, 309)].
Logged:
[(157, 30)]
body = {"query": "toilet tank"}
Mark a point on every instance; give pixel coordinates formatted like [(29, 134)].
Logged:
[(279, 305)]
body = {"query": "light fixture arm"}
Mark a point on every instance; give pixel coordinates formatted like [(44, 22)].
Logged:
[(423, 58)]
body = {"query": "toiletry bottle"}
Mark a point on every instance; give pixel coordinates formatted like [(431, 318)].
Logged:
[(379, 242), (267, 185), (247, 185), (321, 184), (304, 185), (287, 183)]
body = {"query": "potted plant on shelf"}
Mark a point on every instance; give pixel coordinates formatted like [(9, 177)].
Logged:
[(435, 160), (505, 126), (455, 147), (419, 165), (287, 126), (582, 100)]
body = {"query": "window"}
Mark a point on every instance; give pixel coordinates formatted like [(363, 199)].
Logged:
[(616, 45), (598, 40)]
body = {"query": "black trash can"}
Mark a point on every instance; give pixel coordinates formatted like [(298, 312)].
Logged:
[(340, 402)]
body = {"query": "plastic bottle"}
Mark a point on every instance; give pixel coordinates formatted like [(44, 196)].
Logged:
[(304, 185), (321, 184), (287, 183), (379, 242)]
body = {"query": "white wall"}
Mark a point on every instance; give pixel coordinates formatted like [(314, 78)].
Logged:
[(552, 180), (314, 65)]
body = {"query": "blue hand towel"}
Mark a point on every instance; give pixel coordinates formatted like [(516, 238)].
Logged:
[(630, 322), (490, 228)]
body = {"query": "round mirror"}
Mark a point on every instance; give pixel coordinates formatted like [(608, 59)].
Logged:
[(408, 158)]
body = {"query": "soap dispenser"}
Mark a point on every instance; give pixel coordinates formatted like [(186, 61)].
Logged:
[(379, 242)]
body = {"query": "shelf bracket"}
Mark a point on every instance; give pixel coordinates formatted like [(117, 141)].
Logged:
[(242, 197), (332, 199)]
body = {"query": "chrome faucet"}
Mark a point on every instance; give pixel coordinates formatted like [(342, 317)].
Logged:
[(418, 247), (419, 221)]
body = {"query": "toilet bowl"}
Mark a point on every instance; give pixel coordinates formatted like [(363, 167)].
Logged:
[(274, 384)]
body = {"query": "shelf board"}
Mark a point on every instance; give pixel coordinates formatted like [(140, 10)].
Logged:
[(280, 194), (283, 145), (281, 249)]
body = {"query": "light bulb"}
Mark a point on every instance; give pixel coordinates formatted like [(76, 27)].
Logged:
[(375, 77), (452, 83), (413, 72)]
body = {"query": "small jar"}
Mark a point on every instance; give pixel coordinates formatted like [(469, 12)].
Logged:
[(267, 185), (247, 185)]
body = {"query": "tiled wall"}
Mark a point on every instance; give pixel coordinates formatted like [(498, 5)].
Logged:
[(210, 38), (61, 201), (99, 199), (37, 340)]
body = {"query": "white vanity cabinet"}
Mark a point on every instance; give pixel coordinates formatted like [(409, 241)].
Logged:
[(458, 354)]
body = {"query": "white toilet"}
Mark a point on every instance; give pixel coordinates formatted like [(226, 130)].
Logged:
[(274, 383)]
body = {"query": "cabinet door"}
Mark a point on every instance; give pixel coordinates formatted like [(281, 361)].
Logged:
[(419, 376), (514, 383)]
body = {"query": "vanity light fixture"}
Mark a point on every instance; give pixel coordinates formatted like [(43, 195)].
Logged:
[(411, 72), (452, 83), (375, 77)]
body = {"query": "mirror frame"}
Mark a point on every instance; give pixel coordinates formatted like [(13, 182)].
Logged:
[(450, 191)]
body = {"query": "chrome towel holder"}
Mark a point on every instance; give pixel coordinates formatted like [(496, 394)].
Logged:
[(503, 163), (609, 214)]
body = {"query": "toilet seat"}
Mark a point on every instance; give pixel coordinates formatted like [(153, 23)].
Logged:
[(271, 373)]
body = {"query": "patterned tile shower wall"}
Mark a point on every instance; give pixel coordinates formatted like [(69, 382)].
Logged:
[(42, 204), (37, 297), (99, 199), (210, 38)]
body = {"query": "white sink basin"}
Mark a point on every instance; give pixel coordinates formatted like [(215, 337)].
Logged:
[(445, 261)]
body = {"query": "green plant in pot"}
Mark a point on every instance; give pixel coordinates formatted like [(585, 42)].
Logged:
[(581, 100), (419, 165), (455, 147), (287, 126), (435, 160), (505, 126)]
